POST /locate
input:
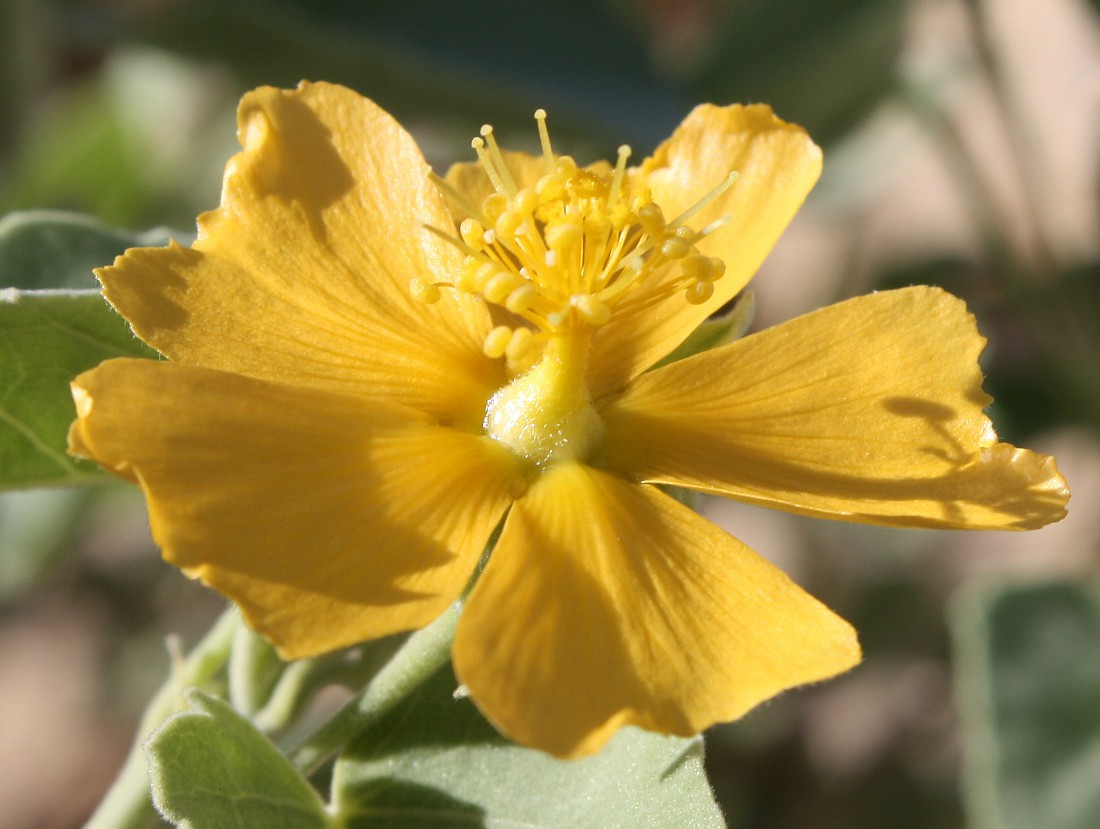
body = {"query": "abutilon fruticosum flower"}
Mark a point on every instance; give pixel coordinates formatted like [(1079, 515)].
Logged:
[(369, 367)]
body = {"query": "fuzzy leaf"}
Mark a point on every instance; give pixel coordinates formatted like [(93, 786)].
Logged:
[(46, 339), (1029, 682), (436, 764), (51, 249), (210, 769)]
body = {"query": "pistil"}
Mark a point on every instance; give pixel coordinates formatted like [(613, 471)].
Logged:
[(545, 415)]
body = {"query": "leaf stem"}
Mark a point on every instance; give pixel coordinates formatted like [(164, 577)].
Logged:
[(422, 654), (128, 804)]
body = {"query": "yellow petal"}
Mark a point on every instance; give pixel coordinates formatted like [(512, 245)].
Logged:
[(607, 604), (778, 164), (869, 410), (328, 519), (469, 179), (302, 274)]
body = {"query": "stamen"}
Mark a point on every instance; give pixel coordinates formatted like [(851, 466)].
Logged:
[(617, 179), (455, 196), (446, 237), (544, 138), (707, 199), (566, 255), (478, 146), (425, 292), (498, 158)]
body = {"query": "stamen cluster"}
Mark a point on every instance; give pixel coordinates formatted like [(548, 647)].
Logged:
[(566, 252)]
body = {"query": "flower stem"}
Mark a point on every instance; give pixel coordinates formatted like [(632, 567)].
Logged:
[(128, 804), (422, 654)]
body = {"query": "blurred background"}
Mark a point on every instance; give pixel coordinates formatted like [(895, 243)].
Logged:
[(962, 146)]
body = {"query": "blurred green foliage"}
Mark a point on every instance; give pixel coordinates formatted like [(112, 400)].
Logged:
[(47, 337), (1029, 682)]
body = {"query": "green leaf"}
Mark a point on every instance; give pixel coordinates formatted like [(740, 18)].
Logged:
[(54, 249), (46, 339), (210, 769), (436, 763), (1029, 687)]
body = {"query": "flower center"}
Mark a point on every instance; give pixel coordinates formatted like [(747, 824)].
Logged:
[(555, 260)]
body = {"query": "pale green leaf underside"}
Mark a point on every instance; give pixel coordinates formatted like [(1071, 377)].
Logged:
[(48, 336), (46, 249), (210, 769), (1029, 664), (436, 764)]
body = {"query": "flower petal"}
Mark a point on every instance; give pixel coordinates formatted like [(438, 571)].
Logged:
[(778, 165), (328, 519), (302, 274), (470, 180), (869, 410), (607, 604)]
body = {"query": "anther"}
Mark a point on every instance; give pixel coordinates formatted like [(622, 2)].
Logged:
[(493, 205), (525, 202), (500, 286), (467, 280), (700, 291), (651, 219), (497, 341), (565, 166), (519, 344), (696, 266), (472, 233), (507, 224), (425, 292), (717, 268), (521, 299), (675, 247)]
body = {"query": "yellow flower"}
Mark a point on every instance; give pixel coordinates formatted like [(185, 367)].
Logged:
[(369, 368)]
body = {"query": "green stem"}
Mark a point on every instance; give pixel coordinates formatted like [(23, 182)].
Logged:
[(423, 653), (127, 804)]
